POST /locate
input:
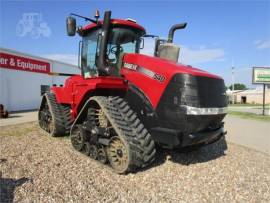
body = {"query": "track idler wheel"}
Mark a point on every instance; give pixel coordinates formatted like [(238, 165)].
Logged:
[(118, 156), (78, 139)]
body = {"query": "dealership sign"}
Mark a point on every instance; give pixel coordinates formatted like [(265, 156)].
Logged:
[(261, 75), (15, 62)]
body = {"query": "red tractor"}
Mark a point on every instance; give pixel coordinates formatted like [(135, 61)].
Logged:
[(125, 104)]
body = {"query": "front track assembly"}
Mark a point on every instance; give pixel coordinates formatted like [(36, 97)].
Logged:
[(112, 134)]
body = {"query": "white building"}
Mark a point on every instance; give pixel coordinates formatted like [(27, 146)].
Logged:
[(22, 75), (252, 96)]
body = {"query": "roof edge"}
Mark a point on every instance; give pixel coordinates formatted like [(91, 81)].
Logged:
[(36, 56)]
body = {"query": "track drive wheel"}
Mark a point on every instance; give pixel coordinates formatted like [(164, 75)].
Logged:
[(78, 140)]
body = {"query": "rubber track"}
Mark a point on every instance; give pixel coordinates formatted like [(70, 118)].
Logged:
[(141, 146), (61, 114)]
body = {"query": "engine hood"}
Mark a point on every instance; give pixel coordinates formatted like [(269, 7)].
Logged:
[(151, 75), (164, 67)]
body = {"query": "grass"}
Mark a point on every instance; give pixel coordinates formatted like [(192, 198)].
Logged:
[(235, 105), (24, 129), (247, 115), (18, 130)]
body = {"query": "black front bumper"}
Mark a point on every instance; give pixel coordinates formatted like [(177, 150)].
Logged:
[(172, 139), (202, 137)]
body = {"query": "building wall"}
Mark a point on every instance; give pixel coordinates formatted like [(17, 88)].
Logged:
[(253, 97), (63, 68), (20, 90)]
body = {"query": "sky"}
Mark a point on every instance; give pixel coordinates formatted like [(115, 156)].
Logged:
[(219, 34)]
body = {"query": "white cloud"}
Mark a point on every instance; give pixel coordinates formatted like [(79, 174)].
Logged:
[(262, 44), (188, 55), (202, 55), (66, 58)]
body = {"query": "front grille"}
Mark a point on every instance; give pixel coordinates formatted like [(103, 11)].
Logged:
[(198, 91), (194, 91)]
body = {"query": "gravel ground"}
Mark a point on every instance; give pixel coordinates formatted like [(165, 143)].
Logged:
[(38, 168)]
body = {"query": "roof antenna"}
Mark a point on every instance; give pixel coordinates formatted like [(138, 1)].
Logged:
[(97, 16), (85, 18)]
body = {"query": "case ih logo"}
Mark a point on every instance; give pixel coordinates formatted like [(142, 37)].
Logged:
[(145, 71), (23, 64), (130, 66)]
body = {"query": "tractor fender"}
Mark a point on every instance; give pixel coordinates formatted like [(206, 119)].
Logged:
[(141, 104)]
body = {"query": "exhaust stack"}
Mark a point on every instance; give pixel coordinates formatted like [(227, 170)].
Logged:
[(165, 48), (173, 29), (103, 67)]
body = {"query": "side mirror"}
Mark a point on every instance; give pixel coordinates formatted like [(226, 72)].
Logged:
[(141, 43), (71, 26)]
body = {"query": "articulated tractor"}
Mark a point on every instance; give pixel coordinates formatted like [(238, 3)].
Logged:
[(125, 104)]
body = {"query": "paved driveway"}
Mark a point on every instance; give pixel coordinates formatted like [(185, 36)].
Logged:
[(250, 109), (18, 118), (251, 133)]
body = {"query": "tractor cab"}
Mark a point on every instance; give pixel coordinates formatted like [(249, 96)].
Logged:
[(122, 39), (103, 46)]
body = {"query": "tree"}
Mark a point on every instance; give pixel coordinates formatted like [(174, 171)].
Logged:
[(238, 86)]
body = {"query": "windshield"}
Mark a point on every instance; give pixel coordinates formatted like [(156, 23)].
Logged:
[(121, 40), (89, 47)]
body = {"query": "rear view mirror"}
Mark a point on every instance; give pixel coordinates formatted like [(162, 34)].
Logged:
[(71, 26), (141, 43)]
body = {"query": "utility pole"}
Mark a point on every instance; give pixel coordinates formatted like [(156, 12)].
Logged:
[(263, 113), (232, 82)]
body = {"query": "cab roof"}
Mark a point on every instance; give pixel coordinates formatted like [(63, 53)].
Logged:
[(114, 22)]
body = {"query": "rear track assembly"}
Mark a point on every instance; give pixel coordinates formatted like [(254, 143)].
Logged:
[(53, 117)]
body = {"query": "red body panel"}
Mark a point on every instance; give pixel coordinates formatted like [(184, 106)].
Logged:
[(76, 88), (153, 89), (115, 21)]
